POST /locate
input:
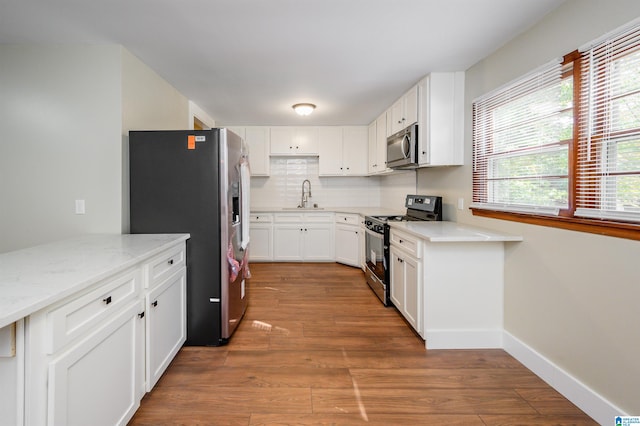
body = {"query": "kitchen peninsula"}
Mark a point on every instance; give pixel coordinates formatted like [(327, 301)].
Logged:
[(89, 319), (447, 280)]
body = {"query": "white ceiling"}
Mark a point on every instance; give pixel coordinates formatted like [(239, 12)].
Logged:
[(248, 61)]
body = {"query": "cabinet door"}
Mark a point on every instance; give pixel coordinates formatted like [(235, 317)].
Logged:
[(287, 241), (166, 325), (397, 279), (354, 150), (258, 140), (282, 140), (372, 149), (412, 292), (410, 113), (306, 140), (395, 116), (94, 382), (260, 237), (348, 245), (318, 242), (330, 151), (381, 142)]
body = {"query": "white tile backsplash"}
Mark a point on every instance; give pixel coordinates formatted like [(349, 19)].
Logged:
[(284, 187)]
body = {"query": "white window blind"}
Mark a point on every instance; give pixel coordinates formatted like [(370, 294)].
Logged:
[(608, 162), (521, 136)]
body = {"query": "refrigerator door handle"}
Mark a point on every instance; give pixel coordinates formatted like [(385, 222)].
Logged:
[(214, 300)]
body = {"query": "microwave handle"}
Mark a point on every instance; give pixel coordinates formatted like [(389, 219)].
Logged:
[(406, 146)]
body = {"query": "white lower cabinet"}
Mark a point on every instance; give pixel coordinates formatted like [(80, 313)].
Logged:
[(348, 239), (261, 237), (166, 313), (406, 282), (96, 381), (91, 357), (303, 237)]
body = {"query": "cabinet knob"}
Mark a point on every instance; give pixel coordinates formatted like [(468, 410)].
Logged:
[(400, 241), (107, 300), (155, 303), (141, 315), (170, 262)]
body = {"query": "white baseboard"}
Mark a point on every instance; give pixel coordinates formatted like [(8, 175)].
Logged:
[(598, 408), (464, 339)]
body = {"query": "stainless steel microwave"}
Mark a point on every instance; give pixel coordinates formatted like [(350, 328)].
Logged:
[(402, 148)]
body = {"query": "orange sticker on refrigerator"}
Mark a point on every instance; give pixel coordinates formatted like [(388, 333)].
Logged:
[(191, 142)]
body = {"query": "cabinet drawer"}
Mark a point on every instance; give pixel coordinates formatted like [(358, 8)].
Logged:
[(288, 217), (347, 219), (316, 217), (85, 313), (165, 264), (261, 218), (406, 242)]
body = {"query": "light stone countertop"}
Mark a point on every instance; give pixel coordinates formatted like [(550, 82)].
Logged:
[(362, 211), (36, 277), (443, 232)]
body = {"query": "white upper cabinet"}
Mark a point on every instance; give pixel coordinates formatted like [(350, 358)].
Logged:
[(258, 139), (372, 140), (354, 150), (441, 124), (342, 151), (330, 151), (294, 140), (403, 112), (378, 145)]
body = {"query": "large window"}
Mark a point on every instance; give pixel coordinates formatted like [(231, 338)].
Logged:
[(561, 145), (522, 134), (608, 175)]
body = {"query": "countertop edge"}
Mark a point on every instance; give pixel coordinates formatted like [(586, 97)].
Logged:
[(475, 234), (11, 317), (362, 211)]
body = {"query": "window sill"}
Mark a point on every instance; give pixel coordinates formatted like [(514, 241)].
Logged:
[(593, 226)]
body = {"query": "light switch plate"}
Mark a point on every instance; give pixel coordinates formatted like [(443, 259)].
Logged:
[(80, 207)]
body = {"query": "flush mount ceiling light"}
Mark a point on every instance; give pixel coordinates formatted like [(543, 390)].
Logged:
[(304, 109)]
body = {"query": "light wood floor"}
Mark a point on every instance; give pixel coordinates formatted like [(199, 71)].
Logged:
[(317, 347)]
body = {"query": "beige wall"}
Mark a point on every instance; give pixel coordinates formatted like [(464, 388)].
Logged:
[(559, 299), (148, 103), (65, 112), (59, 141)]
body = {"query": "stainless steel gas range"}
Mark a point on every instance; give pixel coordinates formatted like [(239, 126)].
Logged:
[(419, 207)]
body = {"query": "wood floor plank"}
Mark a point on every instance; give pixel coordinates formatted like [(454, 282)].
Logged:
[(448, 378), (538, 420), (317, 347), (370, 419), (423, 401)]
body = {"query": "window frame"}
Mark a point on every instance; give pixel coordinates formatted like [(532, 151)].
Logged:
[(566, 218)]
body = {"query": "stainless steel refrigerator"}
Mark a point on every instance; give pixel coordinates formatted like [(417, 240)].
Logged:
[(197, 182)]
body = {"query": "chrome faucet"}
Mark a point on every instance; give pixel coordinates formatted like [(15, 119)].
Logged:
[(305, 194)]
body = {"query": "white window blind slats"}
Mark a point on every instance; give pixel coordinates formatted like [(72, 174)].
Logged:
[(608, 169), (520, 162)]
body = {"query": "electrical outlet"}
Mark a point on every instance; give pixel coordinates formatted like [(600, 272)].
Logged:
[(460, 203)]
